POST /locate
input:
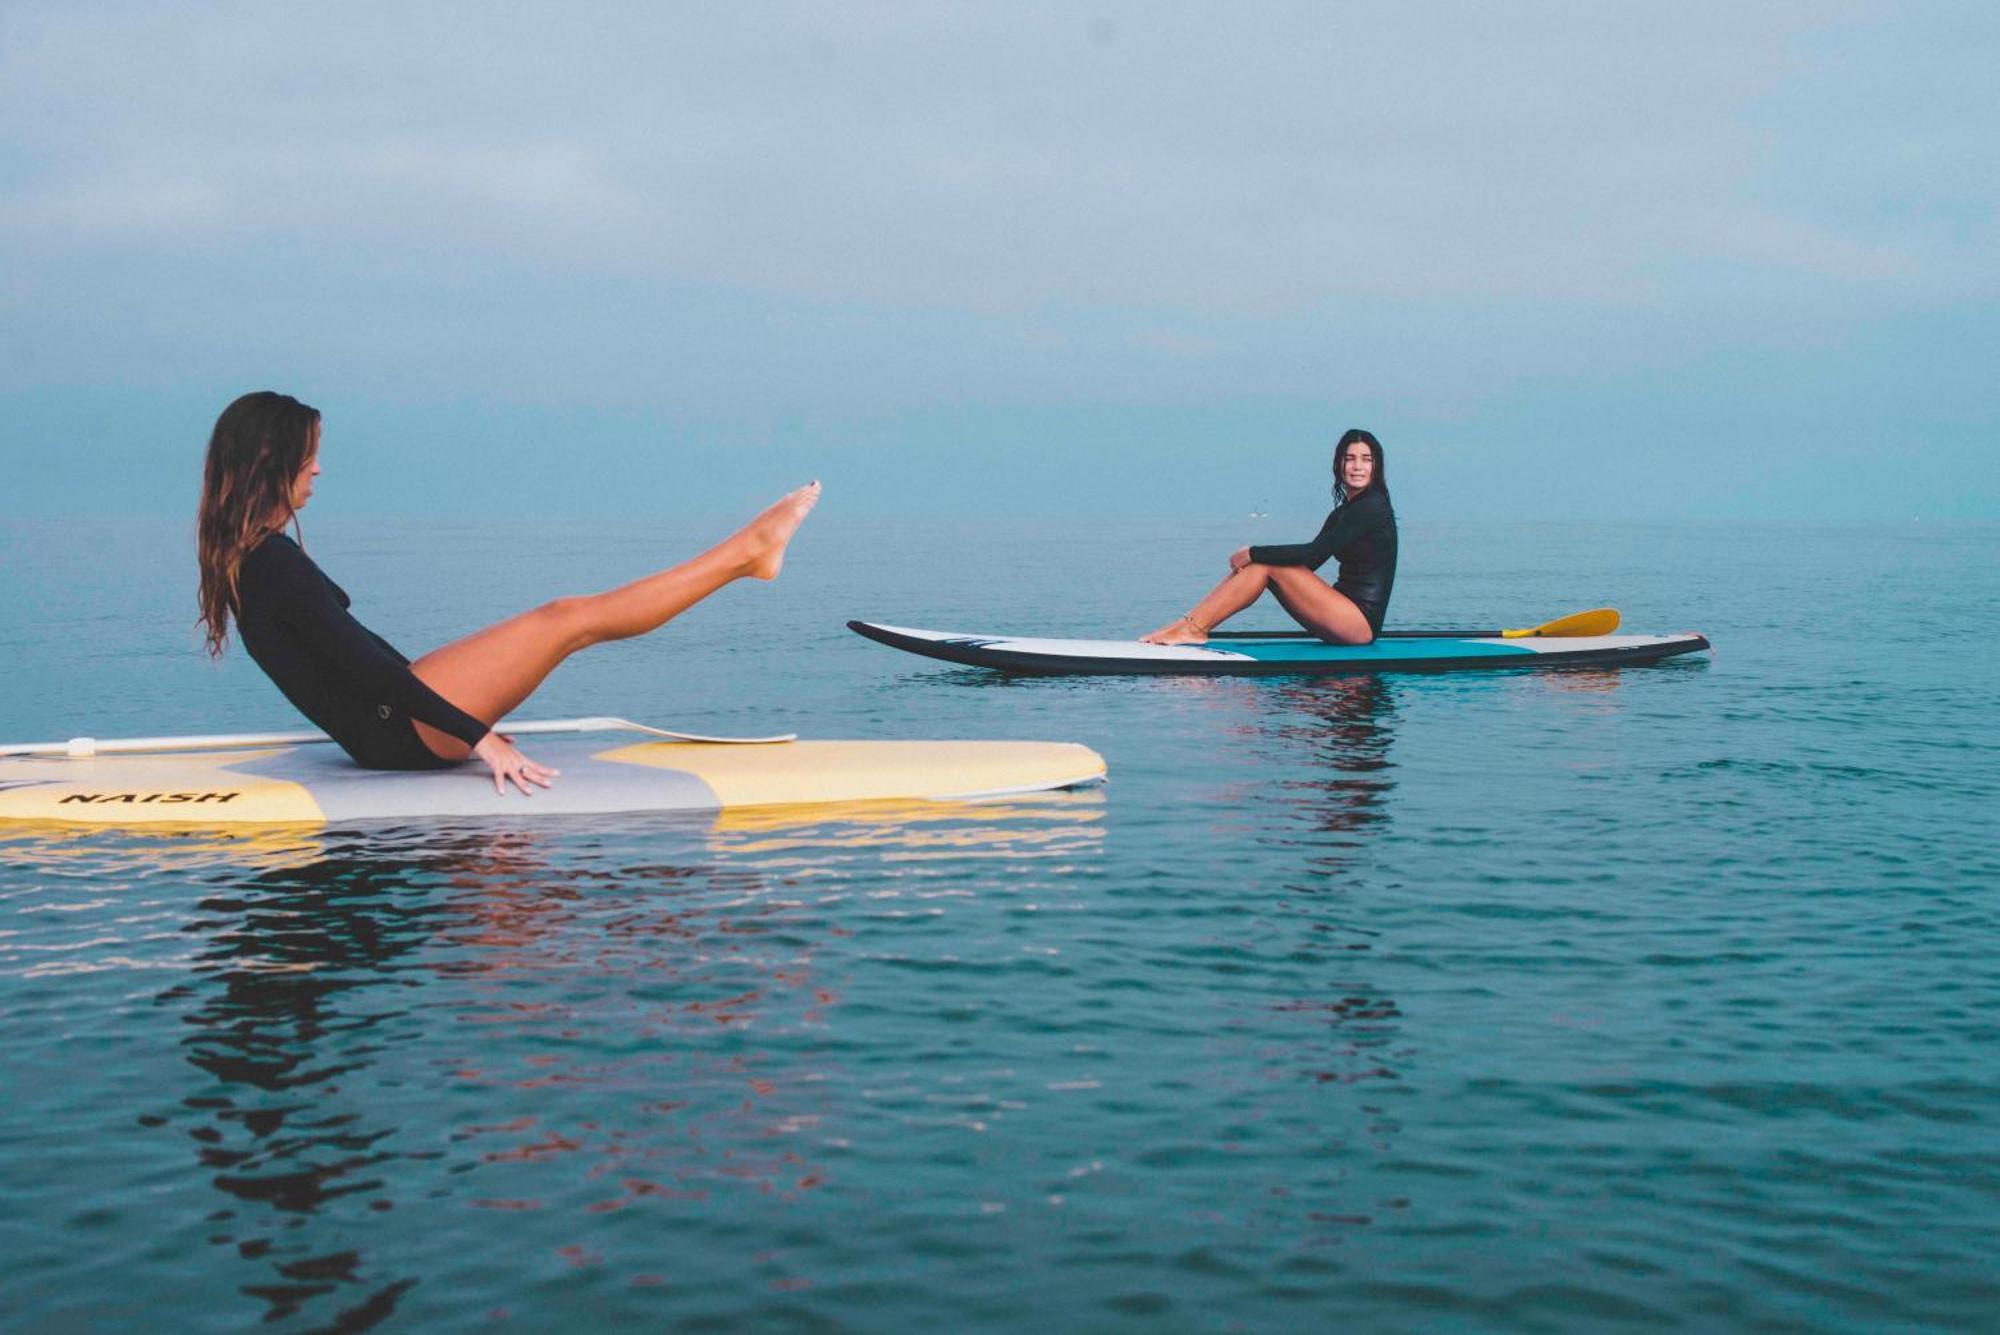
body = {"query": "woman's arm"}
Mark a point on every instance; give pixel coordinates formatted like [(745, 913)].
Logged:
[(1333, 535)]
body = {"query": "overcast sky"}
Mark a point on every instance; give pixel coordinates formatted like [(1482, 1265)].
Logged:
[(1568, 260)]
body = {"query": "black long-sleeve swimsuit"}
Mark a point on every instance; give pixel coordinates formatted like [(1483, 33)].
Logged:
[(1362, 534), (344, 677)]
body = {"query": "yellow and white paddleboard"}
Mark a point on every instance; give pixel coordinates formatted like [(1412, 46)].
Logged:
[(316, 784)]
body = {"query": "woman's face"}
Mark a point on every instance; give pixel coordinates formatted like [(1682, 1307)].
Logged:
[(302, 484), (1357, 466)]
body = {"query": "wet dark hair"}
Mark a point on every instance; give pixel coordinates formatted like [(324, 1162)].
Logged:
[(257, 450), (1379, 482)]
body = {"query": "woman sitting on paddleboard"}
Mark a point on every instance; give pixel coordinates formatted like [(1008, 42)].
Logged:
[(1361, 532), (385, 711)]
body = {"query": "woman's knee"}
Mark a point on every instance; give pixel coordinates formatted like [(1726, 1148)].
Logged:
[(1292, 577), (569, 621)]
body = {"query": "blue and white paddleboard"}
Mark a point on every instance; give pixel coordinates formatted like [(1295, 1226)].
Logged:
[(1279, 654)]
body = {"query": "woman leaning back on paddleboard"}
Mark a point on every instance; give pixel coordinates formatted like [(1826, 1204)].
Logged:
[(1361, 532), (385, 711)]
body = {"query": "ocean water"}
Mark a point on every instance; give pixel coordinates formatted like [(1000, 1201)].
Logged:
[(1662, 998)]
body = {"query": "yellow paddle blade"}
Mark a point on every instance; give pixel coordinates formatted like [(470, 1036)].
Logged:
[(1597, 621)]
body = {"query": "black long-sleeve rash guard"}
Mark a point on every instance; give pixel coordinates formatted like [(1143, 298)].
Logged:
[(345, 678), (1362, 533)]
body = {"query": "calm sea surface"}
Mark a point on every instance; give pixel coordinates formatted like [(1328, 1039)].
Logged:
[(1643, 999)]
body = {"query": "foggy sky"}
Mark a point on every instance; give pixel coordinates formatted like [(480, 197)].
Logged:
[(1568, 260)]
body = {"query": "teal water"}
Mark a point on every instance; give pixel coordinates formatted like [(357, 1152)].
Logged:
[(1661, 998)]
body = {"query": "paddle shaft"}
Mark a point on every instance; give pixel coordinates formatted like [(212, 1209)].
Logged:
[(81, 747), (1385, 635)]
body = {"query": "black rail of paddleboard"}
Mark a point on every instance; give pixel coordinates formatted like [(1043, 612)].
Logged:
[(1060, 665)]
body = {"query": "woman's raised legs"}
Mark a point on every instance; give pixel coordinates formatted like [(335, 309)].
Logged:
[(491, 672)]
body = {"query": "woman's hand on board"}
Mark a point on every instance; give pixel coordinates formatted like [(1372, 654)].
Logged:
[(1238, 559), (510, 766)]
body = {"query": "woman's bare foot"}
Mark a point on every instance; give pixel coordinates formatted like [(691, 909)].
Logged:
[(1181, 630), (767, 535)]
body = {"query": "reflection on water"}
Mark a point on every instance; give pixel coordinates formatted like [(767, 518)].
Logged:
[(1331, 737), (293, 992), (1340, 727), (60, 849), (533, 1021), (1585, 680)]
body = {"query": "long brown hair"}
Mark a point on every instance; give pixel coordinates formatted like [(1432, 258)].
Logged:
[(257, 450)]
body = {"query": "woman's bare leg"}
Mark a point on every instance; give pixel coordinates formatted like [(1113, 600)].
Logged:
[(1319, 607), (1238, 590), (491, 672), (1311, 601)]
